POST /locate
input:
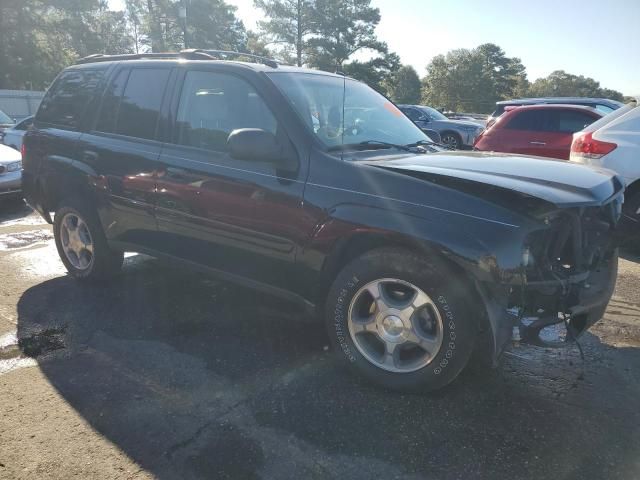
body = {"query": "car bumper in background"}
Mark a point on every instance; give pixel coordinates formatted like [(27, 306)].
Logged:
[(10, 183)]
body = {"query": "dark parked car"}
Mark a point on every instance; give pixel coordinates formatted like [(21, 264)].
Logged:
[(543, 130), (416, 257), (603, 105), (458, 134)]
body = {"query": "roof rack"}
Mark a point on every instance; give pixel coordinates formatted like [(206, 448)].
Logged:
[(224, 54), (190, 54)]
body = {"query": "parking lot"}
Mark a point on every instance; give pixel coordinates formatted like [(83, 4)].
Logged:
[(171, 374)]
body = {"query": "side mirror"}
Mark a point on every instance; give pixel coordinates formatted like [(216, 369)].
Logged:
[(257, 145), (424, 118)]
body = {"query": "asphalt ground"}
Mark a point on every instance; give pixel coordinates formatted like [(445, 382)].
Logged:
[(167, 373)]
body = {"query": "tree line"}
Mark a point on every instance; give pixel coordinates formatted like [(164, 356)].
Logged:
[(40, 37)]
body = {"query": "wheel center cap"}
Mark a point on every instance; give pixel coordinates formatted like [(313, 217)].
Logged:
[(392, 325)]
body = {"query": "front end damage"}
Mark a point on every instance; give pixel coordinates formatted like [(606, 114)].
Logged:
[(568, 274)]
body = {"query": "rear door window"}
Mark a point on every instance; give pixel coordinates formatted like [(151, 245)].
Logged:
[(138, 109), (111, 103), (68, 98)]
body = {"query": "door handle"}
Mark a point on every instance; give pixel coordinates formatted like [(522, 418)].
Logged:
[(537, 143)]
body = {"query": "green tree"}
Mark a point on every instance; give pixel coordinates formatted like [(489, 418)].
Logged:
[(404, 86), (39, 38), (341, 29), (563, 84), (457, 82), (210, 24), (288, 26), (473, 80), (375, 72)]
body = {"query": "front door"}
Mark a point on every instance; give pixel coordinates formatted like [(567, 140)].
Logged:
[(232, 215)]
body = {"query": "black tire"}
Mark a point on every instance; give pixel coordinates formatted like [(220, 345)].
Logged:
[(448, 293), (631, 222), (106, 263), (452, 139), (631, 209)]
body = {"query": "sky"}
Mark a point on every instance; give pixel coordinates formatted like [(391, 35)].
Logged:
[(598, 39)]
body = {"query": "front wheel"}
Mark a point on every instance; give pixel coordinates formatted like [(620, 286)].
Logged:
[(82, 245), (452, 140), (401, 320)]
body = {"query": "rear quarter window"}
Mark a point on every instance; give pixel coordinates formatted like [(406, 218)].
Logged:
[(70, 96)]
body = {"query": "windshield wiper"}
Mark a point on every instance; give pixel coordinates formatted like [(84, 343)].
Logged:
[(371, 145), (430, 143)]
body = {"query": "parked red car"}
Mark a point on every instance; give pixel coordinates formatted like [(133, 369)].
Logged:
[(543, 130)]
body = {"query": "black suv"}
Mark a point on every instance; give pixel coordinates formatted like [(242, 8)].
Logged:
[(314, 187)]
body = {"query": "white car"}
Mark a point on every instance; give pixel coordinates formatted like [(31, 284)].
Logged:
[(10, 172), (13, 135), (613, 142)]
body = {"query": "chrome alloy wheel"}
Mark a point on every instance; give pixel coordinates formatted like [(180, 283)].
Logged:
[(76, 240), (451, 140), (395, 325)]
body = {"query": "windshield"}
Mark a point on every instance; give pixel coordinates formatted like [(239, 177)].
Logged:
[(433, 114), (341, 111), (4, 118)]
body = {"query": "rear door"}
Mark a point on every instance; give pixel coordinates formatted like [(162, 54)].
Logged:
[(558, 127), (122, 149)]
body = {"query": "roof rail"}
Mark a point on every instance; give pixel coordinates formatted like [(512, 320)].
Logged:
[(99, 57), (224, 54), (190, 54)]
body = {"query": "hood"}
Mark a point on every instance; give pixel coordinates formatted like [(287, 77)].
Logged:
[(561, 183), (8, 155)]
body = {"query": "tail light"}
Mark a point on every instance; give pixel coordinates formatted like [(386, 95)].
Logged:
[(587, 146), (23, 151)]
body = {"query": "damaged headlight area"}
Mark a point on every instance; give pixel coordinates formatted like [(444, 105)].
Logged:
[(568, 274)]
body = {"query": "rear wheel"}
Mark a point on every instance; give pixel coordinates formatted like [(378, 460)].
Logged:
[(82, 245), (631, 220), (401, 320), (631, 209)]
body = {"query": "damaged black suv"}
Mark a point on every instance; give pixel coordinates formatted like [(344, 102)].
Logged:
[(314, 187)]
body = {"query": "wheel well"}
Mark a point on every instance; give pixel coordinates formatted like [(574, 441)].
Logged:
[(452, 132), (358, 245), (633, 189), (56, 192)]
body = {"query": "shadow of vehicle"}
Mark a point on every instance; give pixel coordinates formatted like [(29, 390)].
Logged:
[(13, 208), (195, 379)]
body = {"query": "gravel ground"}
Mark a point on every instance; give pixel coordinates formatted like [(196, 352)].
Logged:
[(170, 374)]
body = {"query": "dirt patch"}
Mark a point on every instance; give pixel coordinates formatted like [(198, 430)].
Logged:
[(12, 241)]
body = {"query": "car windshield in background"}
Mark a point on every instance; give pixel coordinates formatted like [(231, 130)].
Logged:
[(4, 118), (433, 114), (343, 112)]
